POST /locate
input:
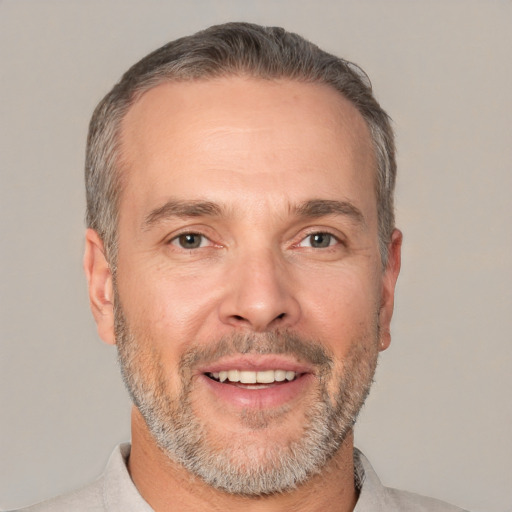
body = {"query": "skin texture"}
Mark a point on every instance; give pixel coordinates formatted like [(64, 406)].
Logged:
[(265, 154)]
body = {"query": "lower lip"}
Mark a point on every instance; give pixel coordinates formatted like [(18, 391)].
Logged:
[(274, 395)]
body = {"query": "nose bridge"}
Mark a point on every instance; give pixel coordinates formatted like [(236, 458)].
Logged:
[(260, 295)]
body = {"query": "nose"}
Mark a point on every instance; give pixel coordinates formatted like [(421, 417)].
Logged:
[(259, 295)]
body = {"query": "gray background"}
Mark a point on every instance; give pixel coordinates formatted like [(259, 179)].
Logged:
[(439, 419)]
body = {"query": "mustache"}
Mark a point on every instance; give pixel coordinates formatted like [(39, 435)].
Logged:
[(276, 342)]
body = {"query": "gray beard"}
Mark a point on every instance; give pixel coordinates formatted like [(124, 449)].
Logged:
[(235, 468)]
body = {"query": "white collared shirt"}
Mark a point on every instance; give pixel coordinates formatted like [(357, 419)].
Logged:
[(114, 491)]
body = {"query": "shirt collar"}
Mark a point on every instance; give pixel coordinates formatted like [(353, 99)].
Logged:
[(119, 492), (372, 495)]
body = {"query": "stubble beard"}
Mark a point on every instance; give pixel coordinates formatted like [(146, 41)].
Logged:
[(239, 467)]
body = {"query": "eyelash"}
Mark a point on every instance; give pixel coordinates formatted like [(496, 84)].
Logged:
[(178, 240), (324, 234)]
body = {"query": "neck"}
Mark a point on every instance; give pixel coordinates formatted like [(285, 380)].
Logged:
[(168, 487)]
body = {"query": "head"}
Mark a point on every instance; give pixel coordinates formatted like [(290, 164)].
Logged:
[(233, 49), (242, 252)]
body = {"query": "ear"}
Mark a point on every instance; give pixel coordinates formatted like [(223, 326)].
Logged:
[(99, 279), (389, 278)]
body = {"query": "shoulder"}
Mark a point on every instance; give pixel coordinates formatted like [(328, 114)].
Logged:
[(88, 499), (114, 491), (374, 497)]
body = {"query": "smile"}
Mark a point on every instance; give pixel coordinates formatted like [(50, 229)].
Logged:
[(256, 381), (253, 377)]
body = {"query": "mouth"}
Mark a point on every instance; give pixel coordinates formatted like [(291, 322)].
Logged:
[(248, 379), (257, 382)]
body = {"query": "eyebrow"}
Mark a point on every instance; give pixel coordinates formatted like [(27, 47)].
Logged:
[(324, 207), (178, 208), (313, 208)]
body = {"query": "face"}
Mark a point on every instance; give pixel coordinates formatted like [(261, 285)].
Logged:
[(250, 297)]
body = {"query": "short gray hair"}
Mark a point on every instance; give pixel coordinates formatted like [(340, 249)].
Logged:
[(224, 50)]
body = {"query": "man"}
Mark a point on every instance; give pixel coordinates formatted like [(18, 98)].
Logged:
[(241, 253)]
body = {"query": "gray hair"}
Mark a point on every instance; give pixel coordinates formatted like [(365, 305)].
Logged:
[(224, 50)]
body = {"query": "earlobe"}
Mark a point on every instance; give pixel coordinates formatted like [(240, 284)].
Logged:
[(99, 279), (389, 279)]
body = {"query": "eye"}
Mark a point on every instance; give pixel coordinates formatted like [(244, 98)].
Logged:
[(190, 241), (319, 240)]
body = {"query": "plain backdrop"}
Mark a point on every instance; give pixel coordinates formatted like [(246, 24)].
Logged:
[(439, 418)]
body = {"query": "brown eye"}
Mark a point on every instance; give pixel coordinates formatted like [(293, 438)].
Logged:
[(320, 240), (190, 240)]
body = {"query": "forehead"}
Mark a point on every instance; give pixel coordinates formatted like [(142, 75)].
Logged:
[(173, 106), (269, 136)]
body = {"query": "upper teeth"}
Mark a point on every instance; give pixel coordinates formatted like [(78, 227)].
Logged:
[(250, 377)]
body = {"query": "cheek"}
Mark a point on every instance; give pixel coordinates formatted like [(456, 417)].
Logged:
[(342, 315), (171, 308), (343, 304)]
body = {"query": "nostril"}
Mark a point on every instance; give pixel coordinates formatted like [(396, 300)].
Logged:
[(240, 318)]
